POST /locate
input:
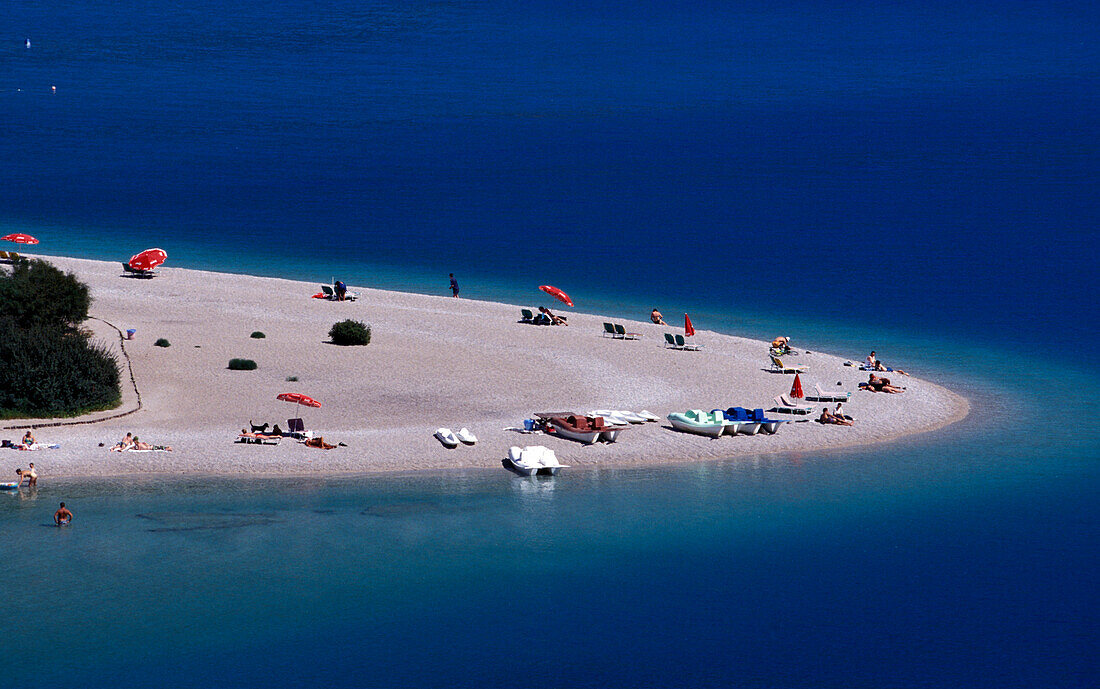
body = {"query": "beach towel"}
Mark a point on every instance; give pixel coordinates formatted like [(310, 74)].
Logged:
[(39, 446), (157, 448)]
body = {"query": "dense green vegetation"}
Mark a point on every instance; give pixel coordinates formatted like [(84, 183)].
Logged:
[(350, 332), (162, 342), (242, 365), (50, 367), (257, 335)]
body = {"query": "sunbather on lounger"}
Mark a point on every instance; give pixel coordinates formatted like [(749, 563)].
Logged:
[(882, 385), (554, 320), (142, 445)]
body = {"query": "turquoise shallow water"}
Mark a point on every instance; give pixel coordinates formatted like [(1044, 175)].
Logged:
[(964, 558)]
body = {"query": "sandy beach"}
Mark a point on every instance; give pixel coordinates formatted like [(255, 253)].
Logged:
[(434, 361)]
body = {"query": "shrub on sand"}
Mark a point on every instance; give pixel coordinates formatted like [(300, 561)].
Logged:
[(292, 379), (350, 332), (257, 335), (242, 365), (162, 343)]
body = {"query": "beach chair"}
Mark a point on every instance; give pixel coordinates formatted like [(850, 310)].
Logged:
[(681, 343), (670, 341), (327, 291), (783, 405), (624, 335), (528, 316), (4, 257), (135, 272), (295, 428), (609, 329), (823, 396), (778, 367)]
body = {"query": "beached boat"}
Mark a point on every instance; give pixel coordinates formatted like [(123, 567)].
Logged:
[(447, 437), (746, 423), (699, 422), (584, 429), (609, 416), (768, 426), (534, 459)]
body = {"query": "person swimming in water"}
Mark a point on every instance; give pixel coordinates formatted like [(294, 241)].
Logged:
[(62, 516)]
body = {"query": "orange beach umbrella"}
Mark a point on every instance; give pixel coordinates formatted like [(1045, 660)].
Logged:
[(796, 389), (557, 294), (689, 329), (19, 238), (148, 259), (299, 399)]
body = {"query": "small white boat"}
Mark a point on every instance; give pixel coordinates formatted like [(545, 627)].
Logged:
[(534, 459), (699, 422), (612, 417), (630, 416), (466, 437), (447, 437), (649, 416)]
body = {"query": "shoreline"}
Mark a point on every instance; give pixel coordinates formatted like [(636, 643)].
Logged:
[(433, 362)]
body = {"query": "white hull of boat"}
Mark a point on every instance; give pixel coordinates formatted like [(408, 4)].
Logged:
[(770, 427), (712, 430), (586, 437)]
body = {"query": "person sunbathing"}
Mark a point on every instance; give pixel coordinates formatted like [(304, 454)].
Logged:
[(554, 319), (142, 445), (829, 417), (657, 318), (882, 385), (28, 439), (880, 366), (125, 444)]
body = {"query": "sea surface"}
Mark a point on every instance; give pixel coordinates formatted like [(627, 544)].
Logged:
[(917, 180)]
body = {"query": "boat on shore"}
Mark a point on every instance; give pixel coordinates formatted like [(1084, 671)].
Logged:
[(584, 429), (700, 422), (534, 459)]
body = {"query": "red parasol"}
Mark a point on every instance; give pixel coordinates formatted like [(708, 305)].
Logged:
[(796, 389), (19, 238), (298, 398), (689, 329), (148, 259), (557, 294)]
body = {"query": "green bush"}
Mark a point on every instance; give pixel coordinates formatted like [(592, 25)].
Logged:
[(350, 332), (48, 372), (292, 379), (242, 365), (257, 335), (162, 343), (36, 293), (50, 367)]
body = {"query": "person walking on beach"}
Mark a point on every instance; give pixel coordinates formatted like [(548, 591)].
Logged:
[(62, 516), (454, 286)]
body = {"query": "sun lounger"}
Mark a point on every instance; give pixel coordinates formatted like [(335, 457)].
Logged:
[(670, 341), (528, 316), (624, 335), (259, 438), (296, 428), (681, 343), (779, 367), (5, 257), (783, 405), (823, 396), (136, 272), (609, 329), (327, 291)]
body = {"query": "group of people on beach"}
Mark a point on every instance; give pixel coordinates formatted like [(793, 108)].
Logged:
[(548, 317), (132, 442), (30, 475), (837, 417)]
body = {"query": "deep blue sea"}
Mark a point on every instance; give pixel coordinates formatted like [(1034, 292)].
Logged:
[(920, 180)]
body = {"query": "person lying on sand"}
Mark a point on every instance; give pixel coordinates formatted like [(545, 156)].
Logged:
[(657, 318), (62, 516), (876, 384), (829, 417), (126, 443), (880, 366), (141, 445)]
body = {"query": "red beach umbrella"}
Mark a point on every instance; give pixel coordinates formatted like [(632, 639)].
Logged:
[(299, 399), (148, 259), (796, 389), (19, 238), (557, 294), (689, 329)]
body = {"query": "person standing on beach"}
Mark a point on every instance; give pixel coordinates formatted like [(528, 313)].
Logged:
[(454, 286), (62, 516)]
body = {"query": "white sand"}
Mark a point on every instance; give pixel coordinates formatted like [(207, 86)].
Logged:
[(433, 361)]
